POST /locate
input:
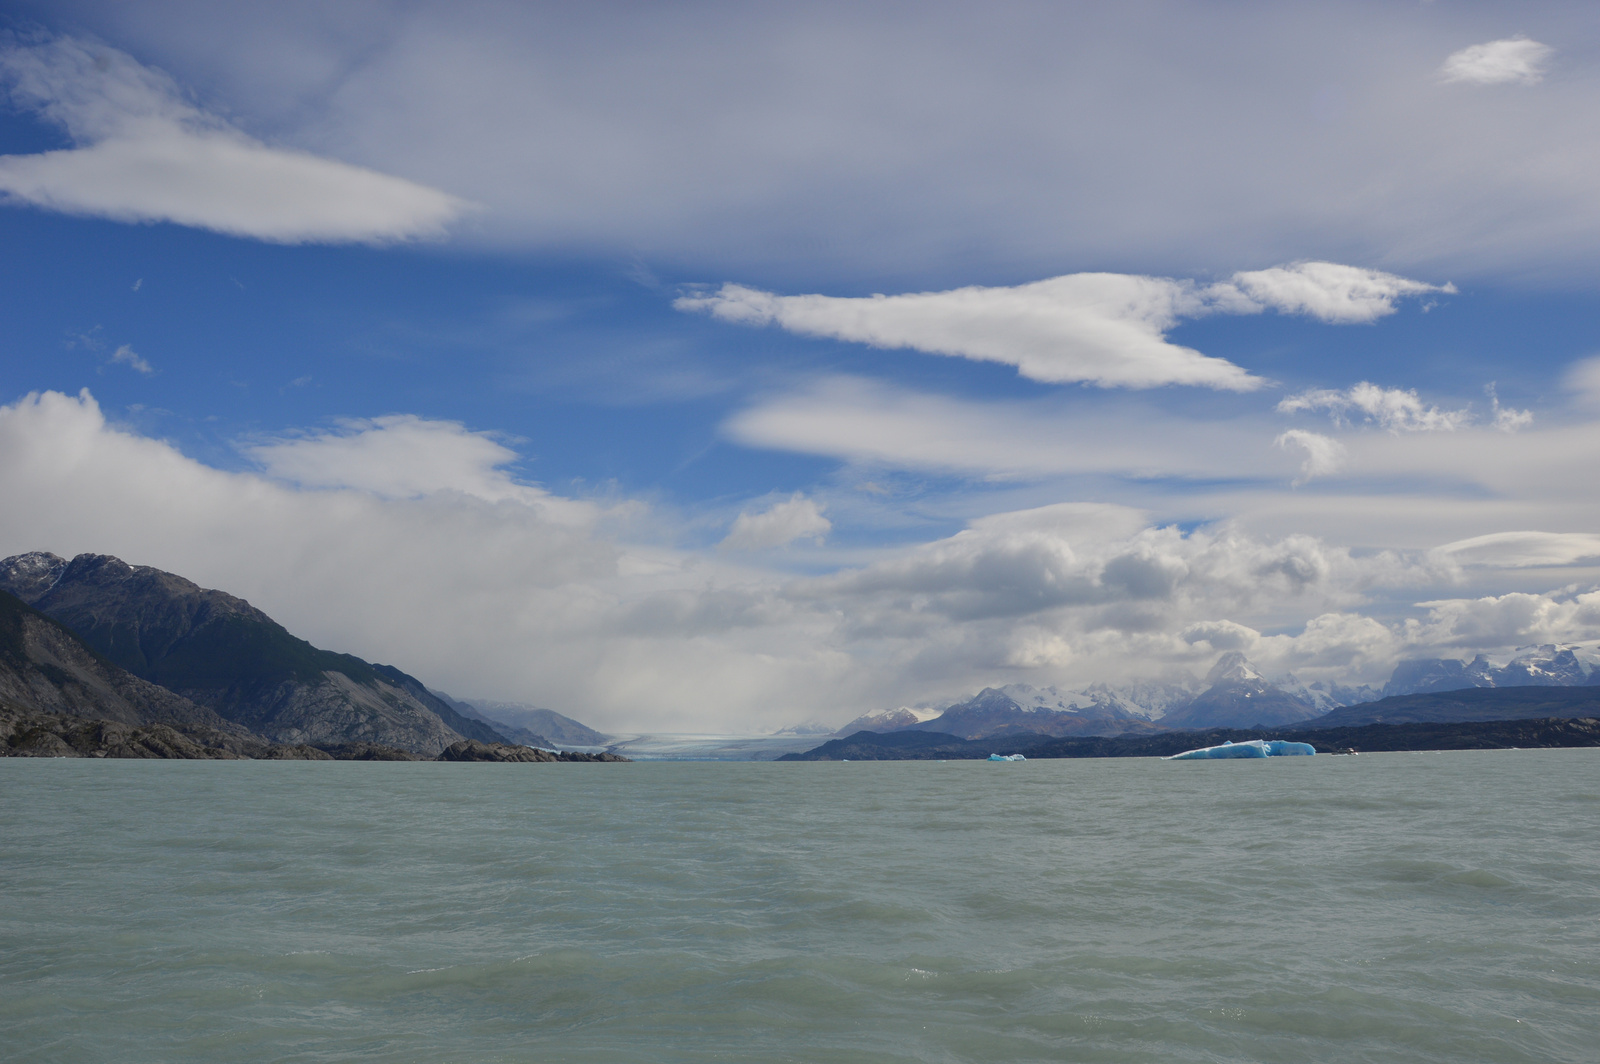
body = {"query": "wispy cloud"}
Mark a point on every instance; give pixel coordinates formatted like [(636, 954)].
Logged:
[(144, 153), (1400, 409), (1105, 329), (1524, 550), (1512, 61), (1396, 409), (126, 356)]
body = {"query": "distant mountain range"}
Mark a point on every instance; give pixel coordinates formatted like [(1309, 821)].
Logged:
[(1234, 694), (97, 637)]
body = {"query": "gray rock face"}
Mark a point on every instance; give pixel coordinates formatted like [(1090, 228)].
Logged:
[(222, 653)]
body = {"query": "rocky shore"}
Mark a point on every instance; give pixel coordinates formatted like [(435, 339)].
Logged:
[(30, 734)]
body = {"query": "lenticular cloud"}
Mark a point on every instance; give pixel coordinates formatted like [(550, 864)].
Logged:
[(1106, 329), (144, 154)]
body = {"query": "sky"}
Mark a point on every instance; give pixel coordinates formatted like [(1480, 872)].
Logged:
[(712, 367)]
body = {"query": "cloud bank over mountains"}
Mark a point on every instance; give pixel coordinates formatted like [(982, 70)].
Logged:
[(478, 581)]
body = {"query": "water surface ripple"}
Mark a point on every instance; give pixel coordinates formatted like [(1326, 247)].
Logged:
[(1389, 907)]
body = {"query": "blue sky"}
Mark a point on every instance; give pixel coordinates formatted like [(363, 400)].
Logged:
[(731, 366)]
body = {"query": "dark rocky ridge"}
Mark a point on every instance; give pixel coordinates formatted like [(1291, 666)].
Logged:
[(221, 653), (1473, 704)]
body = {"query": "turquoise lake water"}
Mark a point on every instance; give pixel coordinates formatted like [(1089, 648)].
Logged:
[(1388, 907)]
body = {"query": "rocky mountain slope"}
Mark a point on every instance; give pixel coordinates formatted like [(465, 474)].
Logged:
[(222, 654), (547, 723), (47, 668)]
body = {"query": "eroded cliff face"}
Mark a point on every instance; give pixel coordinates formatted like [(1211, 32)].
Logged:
[(217, 652)]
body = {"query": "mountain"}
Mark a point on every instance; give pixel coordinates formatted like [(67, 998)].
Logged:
[(46, 668), (1238, 695), (522, 736), (1526, 702), (1019, 709), (223, 654), (887, 720), (1549, 665), (810, 727), (561, 730)]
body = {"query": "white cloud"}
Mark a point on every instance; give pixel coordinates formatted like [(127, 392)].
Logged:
[(1513, 620), (796, 518), (1525, 550), (1221, 635), (145, 154), (873, 422), (1101, 328), (1505, 418), (125, 355), (1330, 292), (1395, 409), (1512, 61), (397, 457), (1324, 454)]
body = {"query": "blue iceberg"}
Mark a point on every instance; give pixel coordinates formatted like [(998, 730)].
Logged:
[(1007, 757), (1252, 748)]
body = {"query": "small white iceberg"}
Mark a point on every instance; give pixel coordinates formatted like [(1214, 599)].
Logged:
[(1007, 757), (1252, 748)]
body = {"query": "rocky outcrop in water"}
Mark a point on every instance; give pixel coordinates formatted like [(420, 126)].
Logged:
[(472, 750)]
